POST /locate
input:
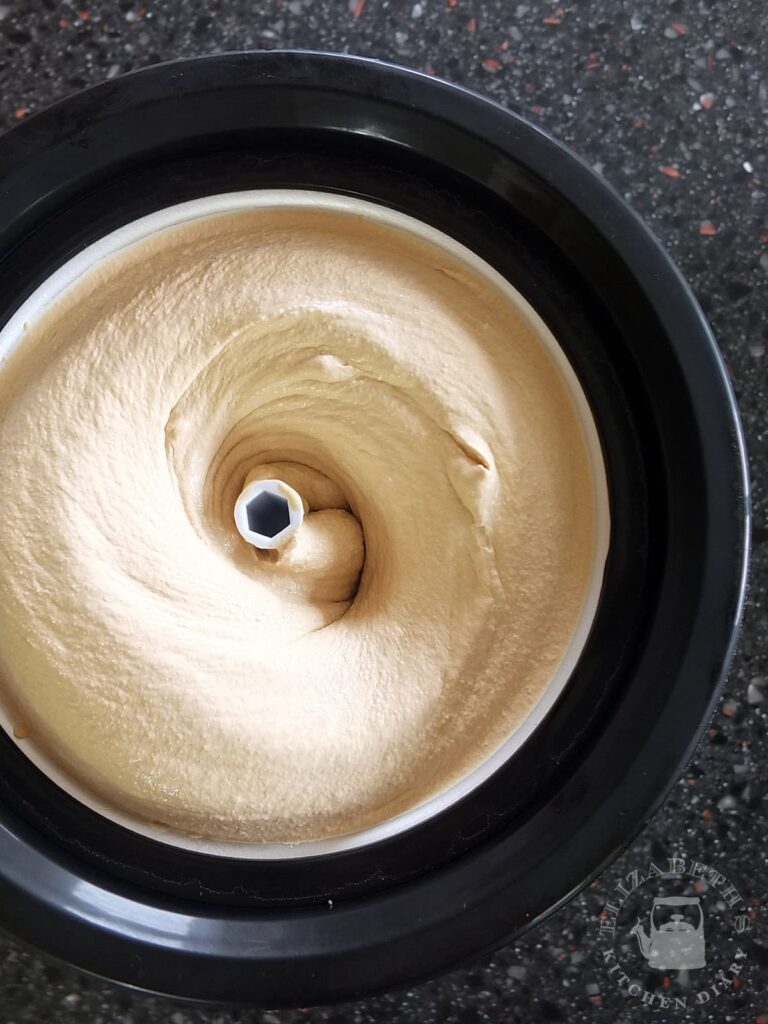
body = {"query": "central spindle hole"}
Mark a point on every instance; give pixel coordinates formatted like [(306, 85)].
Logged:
[(268, 514)]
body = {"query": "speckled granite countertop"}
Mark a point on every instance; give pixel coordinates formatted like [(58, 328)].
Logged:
[(669, 100)]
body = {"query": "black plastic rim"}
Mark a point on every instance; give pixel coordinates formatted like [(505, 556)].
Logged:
[(323, 929)]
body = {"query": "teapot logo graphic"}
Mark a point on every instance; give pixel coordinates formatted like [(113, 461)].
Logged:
[(676, 944)]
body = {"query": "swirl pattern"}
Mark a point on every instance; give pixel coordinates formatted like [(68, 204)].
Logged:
[(413, 620)]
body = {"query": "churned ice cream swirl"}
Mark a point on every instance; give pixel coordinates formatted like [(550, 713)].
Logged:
[(409, 624)]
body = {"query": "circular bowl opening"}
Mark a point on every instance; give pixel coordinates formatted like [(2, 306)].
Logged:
[(139, 230)]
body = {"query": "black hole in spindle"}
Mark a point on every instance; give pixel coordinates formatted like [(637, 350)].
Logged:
[(268, 514)]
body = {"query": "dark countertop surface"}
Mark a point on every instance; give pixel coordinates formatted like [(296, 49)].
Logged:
[(668, 99)]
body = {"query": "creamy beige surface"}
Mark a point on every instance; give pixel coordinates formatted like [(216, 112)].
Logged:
[(421, 608)]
